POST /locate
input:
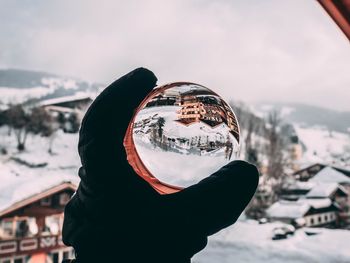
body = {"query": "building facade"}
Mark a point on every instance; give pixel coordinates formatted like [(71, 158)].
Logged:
[(30, 229)]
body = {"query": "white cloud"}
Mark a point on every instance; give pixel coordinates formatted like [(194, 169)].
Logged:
[(250, 50)]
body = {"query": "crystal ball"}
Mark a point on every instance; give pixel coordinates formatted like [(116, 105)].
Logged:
[(180, 134)]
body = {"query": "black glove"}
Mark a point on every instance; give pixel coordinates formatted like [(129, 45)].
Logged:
[(116, 216)]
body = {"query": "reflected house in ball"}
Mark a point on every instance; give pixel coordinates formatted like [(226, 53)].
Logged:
[(202, 106), (177, 125), (162, 99)]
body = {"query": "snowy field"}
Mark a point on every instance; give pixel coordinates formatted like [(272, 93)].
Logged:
[(178, 169), (18, 177), (249, 242)]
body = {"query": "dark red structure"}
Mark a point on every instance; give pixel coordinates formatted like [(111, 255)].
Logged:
[(30, 228), (339, 10)]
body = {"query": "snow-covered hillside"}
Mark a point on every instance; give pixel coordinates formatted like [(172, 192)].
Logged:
[(19, 86), (325, 133), (324, 146)]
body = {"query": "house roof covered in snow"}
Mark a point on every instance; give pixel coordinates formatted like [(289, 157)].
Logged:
[(325, 190), (330, 175), (322, 165), (297, 209), (288, 209), (76, 97), (299, 185), (316, 203), (25, 190)]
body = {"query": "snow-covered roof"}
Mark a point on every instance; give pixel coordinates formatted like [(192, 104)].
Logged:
[(323, 189), (22, 188), (316, 203), (288, 209), (330, 175), (296, 209), (299, 185), (78, 96)]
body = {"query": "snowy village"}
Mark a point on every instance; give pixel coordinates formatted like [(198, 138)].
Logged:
[(301, 205), (278, 73)]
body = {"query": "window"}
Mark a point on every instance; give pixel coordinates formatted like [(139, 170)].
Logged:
[(22, 228), (5, 260), (18, 260), (320, 219), (312, 221), (325, 218), (55, 258), (53, 224), (46, 201), (7, 226)]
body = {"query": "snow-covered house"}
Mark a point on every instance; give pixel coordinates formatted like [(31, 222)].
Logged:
[(310, 171), (69, 110), (75, 102), (327, 178), (317, 183), (31, 217), (293, 190), (307, 212)]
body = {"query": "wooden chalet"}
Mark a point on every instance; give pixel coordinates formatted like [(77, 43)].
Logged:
[(30, 227), (78, 102), (319, 181), (305, 212)]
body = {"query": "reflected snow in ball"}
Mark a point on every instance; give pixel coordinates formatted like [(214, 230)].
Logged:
[(184, 132)]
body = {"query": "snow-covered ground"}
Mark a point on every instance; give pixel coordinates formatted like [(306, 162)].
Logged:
[(181, 168), (247, 241), (19, 179), (48, 85)]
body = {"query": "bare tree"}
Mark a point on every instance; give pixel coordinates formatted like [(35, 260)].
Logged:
[(275, 154), (18, 120), (36, 121), (160, 124), (42, 123)]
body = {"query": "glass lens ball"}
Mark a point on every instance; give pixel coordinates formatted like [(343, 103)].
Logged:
[(183, 132)]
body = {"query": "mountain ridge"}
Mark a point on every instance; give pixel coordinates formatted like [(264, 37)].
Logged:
[(308, 115)]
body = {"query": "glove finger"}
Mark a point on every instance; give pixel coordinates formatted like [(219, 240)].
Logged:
[(102, 131), (110, 113), (218, 200)]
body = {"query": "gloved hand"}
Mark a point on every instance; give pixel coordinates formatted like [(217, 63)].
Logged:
[(116, 216)]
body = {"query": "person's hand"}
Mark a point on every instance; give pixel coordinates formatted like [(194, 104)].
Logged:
[(117, 216)]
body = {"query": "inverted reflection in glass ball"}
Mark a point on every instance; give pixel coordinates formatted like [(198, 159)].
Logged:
[(182, 133)]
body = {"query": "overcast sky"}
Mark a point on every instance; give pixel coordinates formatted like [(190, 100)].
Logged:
[(270, 50)]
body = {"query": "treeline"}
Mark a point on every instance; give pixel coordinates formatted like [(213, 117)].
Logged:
[(266, 142), (22, 121)]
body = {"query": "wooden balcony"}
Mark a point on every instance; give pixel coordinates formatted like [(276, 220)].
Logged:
[(30, 245)]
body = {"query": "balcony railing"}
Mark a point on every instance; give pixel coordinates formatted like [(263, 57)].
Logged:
[(30, 245)]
